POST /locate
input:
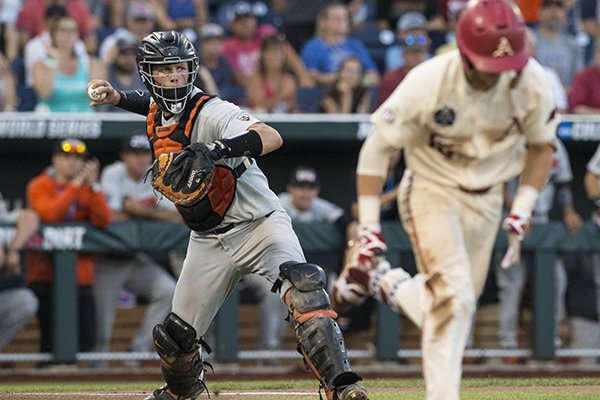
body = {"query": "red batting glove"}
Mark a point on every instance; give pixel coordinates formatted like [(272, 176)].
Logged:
[(517, 223), (370, 244)]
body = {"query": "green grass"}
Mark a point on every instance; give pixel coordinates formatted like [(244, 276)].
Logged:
[(380, 389)]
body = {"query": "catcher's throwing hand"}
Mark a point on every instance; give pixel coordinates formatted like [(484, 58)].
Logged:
[(101, 92), (184, 177)]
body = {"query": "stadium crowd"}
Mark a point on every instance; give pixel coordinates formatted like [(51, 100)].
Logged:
[(279, 56)]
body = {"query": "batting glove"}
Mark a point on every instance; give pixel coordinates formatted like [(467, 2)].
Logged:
[(370, 244), (515, 225)]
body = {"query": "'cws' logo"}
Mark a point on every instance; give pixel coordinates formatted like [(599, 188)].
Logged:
[(503, 48)]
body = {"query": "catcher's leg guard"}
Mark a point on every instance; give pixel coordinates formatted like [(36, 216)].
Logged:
[(319, 338), (180, 357)]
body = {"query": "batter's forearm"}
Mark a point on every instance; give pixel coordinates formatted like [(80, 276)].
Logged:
[(537, 165)]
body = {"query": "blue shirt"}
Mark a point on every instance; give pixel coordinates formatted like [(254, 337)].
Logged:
[(325, 58)]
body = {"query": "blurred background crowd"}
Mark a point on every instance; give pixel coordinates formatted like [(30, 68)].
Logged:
[(278, 56)]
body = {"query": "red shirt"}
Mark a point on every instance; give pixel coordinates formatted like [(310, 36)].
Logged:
[(55, 203), (31, 16), (585, 90), (390, 80)]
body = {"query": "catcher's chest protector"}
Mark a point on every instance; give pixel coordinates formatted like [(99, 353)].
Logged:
[(211, 209)]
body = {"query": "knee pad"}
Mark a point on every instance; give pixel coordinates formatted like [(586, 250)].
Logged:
[(319, 337), (307, 298), (180, 352)]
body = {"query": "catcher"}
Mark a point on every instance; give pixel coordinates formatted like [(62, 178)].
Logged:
[(204, 151)]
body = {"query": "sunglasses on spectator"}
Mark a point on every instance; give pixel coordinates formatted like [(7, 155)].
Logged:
[(73, 146), (415, 40)]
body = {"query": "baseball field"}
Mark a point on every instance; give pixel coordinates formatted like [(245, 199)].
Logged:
[(379, 389)]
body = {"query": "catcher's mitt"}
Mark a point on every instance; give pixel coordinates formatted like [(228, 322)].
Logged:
[(184, 177)]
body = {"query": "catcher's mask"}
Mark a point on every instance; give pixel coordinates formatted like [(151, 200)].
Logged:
[(166, 48), (490, 35)]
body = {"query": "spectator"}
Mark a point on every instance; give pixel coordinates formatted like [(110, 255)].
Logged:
[(530, 10), (411, 31), (347, 94), (552, 78), (67, 191), (415, 50), (131, 197), (511, 279), (123, 70), (8, 94), (60, 80), (30, 21), (299, 18), (211, 57), (36, 49), (584, 96), (9, 38), (272, 89), (242, 50), (388, 12), (331, 44), (555, 47), (186, 16), (17, 302), (139, 22), (583, 292)]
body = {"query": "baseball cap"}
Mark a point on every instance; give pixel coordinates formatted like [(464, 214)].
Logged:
[(126, 41), (70, 146), (136, 142), (209, 31), (304, 176), (411, 20), (140, 10), (240, 9)]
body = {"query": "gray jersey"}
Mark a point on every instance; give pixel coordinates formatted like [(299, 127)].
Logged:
[(594, 164), (320, 210), (254, 199), (117, 185)]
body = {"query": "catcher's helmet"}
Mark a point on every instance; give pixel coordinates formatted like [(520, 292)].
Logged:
[(168, 47), (491, 35)]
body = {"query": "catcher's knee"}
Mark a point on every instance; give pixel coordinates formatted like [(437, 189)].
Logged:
[(180, 352), (306, 298)]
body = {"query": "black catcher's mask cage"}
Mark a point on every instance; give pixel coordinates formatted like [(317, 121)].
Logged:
[(165, 48)]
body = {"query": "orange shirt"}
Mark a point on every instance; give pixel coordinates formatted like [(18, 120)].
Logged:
[(530, 9), (56, 203)]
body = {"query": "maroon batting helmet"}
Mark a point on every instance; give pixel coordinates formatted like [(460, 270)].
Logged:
[(491, 35)]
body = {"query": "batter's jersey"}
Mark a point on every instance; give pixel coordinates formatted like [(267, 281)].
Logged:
[(458, 136), (219, 119), (117, 185), (320, 210)]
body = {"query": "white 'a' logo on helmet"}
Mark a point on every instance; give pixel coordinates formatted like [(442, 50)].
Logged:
[(503, 48)]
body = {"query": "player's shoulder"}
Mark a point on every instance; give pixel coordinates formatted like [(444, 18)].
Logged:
[(115, 169)]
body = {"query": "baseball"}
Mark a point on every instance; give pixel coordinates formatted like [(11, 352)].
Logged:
[(93, 94)]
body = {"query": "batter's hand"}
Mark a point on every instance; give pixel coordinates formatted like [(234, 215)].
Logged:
[(516, 225), (103, 87), (370, 243)]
